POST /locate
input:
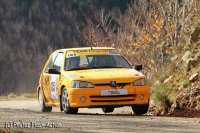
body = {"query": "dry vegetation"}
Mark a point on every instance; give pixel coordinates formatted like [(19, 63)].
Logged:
[(148, 32), (13, 96)]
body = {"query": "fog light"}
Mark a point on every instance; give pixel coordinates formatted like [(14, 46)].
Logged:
[(82, 99), (141, 97)]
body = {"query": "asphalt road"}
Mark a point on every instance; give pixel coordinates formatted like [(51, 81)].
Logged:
[(25, 116)]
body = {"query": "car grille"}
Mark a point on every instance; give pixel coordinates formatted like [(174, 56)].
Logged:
[(108, 84), (115, 98)]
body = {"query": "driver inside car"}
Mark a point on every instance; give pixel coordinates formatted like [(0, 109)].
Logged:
[(101, 61), (73, 62)]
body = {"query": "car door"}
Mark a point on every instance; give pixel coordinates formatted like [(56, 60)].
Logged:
[(46, 77), (55, 78)]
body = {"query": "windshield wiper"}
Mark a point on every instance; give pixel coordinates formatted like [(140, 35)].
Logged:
[(84, 68), (78, 69), (106, 67)]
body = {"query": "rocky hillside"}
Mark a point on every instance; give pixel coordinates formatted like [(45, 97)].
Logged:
[(176, 90)]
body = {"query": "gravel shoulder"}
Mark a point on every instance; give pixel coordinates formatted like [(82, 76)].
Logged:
[(24, 116)]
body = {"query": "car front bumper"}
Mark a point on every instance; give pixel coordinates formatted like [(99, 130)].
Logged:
[(91, 97)]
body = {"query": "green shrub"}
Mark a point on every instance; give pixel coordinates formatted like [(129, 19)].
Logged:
[(163, 95), (186, 83), (172, 93), (160, 95)]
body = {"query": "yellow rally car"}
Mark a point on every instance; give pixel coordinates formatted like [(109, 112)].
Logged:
[(91, 77)]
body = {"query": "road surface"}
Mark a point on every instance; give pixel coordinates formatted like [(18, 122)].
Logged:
[(25, 116)]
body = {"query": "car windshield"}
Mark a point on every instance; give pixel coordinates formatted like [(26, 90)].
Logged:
[(96, 62)]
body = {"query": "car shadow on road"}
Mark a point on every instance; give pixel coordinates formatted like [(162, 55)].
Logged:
[(62, 113), (108, 114)]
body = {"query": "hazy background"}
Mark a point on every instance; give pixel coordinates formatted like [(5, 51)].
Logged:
[(31, 29)]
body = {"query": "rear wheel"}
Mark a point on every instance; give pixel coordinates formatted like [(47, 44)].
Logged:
[(140, 109), (108, 110), (66, 104), (41, 101)]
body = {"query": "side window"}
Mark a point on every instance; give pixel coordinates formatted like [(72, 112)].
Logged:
[(58, 62), (50, 65)]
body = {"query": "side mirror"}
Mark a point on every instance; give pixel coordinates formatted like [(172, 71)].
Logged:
[(52, 71), (138, 67)]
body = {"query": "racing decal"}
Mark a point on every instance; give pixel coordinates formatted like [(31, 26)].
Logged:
[(54, 87), (70, 75), (82, 51), (96, 50), (113, 53), (74, 54), (93, 50)]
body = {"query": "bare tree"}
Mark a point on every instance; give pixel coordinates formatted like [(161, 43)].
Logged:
[(178, 16), (145, 33)]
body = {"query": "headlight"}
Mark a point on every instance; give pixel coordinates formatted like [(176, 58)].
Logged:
[(81, 84), (140, 82)]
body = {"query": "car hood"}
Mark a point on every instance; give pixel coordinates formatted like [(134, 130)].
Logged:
[(104, 75)]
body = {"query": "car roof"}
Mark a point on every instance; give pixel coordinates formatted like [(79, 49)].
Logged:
[(83, 48)]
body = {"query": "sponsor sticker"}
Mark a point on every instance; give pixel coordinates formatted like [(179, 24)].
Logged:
[(54, 87), (74, 54), (114, 92), (70, 75)]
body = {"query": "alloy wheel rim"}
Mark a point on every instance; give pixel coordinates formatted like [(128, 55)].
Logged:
[(65, 100), (40, 99)]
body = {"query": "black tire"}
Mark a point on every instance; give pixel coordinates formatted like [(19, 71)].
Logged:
[(41, 101), (108, 110), (65, 103), (140, 109)]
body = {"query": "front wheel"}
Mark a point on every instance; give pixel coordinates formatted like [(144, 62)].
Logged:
[(66, 104), (140, 109), (41, 101), (108, 110)]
